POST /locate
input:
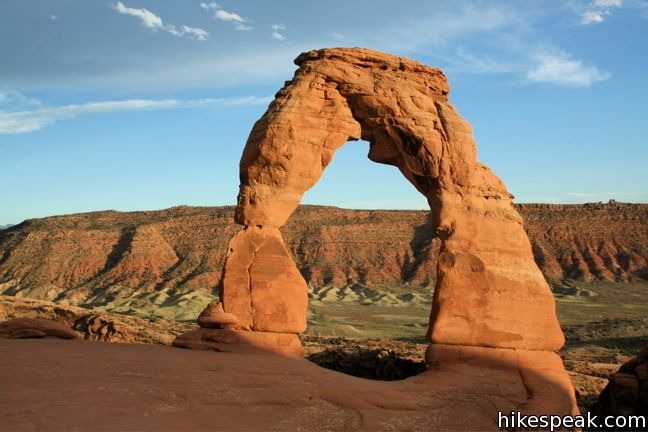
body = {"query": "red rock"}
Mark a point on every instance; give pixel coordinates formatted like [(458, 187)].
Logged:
[(489, 291), (215, 317), (64, 257), (541, 373), (262, 285), (240, 341), (27, 333), (18, 328)]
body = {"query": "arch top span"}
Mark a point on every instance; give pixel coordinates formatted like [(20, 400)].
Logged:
[(489, 291), (398, 105)]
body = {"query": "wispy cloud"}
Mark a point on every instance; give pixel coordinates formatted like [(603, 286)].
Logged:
[(30, 120), (464, 60), (598, 11), (590, 17), (53, 17), (210, 6), (152, 21), (146, 17), (193, 32), (238, 21), (278, 31), (560, 69), (608, 3)]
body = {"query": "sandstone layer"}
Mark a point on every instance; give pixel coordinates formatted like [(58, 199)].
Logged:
[(35, 328), (93, 258), (159, 388), (488, 292)]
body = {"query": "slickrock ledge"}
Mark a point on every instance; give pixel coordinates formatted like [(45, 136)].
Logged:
[(160, 388)]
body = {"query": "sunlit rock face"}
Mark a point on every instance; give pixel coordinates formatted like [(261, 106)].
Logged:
[(489, 290)]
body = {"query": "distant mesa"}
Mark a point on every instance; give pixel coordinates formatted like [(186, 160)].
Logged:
[(82, 258)]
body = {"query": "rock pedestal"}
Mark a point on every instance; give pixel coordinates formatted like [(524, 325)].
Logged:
[(489, 291)]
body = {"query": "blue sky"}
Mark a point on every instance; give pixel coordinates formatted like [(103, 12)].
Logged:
[(144, 104)]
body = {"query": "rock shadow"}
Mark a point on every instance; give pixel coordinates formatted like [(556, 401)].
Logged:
[(370, 363)]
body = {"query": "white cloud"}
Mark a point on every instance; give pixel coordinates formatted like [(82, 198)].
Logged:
[(278, 36), (53, 17), (152, 21), (608, 3), (148, 18), (228, 16), (193, 32), (590, 17), (277, 31), (17, 122), (600, 9), (560, 69), (237, 20), (210, 6)]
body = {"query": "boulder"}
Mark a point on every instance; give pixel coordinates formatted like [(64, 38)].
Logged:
[(215, 317), (23, 328)]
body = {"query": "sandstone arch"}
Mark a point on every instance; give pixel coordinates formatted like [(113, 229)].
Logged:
[(489, 291)]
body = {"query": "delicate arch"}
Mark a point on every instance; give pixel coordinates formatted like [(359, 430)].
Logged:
[(489, 291)]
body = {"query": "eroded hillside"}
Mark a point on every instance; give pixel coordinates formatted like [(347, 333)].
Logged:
[(102, 256)]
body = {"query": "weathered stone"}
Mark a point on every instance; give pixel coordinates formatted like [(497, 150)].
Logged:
[(251, 342), (19, 328), (215, 317), (27, 333), (489, 290), (541, 373), (262, 285)]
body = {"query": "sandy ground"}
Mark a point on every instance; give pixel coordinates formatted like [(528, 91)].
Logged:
[(53, 384)]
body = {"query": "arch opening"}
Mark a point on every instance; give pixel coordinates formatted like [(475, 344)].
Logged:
[(369, 272), (489, 291)]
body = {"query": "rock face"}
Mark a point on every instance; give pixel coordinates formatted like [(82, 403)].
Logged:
[(28, 328), (489, 292), (79, 258), (627, 391), (89, 324), (215, 317)]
